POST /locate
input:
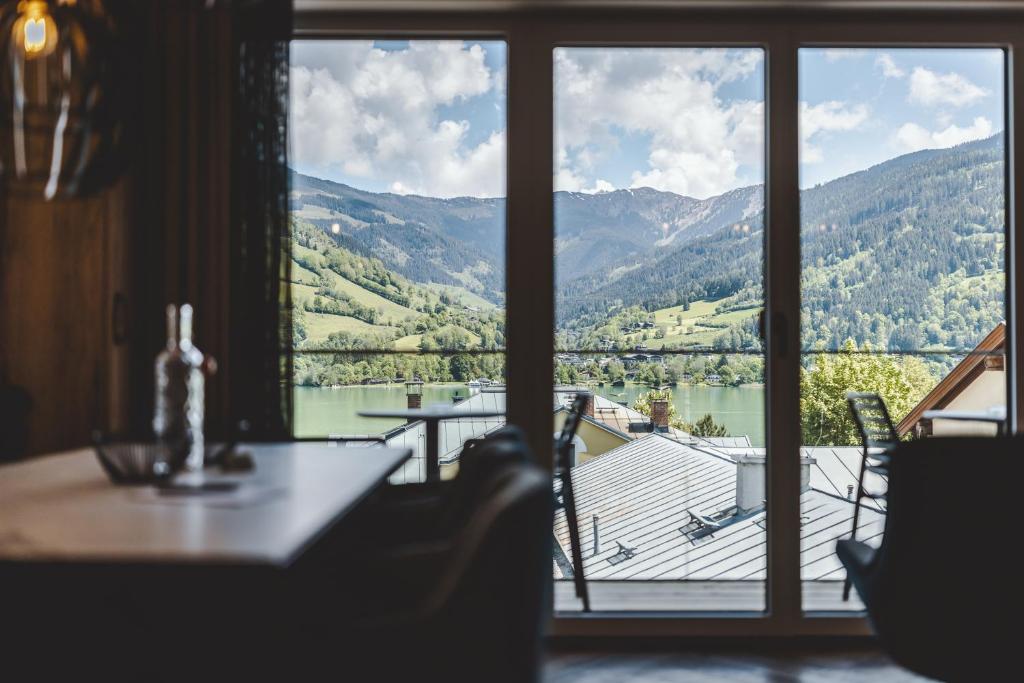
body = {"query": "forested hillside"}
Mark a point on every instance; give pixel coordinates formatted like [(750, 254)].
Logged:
[(457, 242), (347, 302), (905, 255)]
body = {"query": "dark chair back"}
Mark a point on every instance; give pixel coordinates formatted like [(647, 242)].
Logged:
[(495, 598), (434, 510), (942, 590), (478, 602)]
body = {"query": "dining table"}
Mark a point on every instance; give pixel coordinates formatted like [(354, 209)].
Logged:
[(98, 578)]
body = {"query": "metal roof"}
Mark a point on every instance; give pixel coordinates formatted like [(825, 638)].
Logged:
[(454, 433), (643, 491), (834, 470), (619, 417)]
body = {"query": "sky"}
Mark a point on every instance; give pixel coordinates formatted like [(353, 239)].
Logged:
[(429, 117)]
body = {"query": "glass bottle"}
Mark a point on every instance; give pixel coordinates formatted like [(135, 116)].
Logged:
[(179, 405)]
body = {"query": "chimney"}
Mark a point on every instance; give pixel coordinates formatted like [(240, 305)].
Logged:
[(414, 394), (597, 539), (588, 407), (750, 480), (659, 414)]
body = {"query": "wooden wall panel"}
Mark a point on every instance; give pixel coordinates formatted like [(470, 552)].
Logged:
[(59, 266)]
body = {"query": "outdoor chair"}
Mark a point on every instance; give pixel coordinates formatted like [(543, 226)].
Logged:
[(878, 437), (564, 496)]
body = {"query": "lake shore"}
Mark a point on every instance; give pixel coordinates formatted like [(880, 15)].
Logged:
[(321, 411)]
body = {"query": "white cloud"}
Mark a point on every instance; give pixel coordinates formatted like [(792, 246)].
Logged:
[(888, 66), (839, 53), (912, 137), (601, 185), (826, 116), (372, 113), (697, 141), (930, 88)]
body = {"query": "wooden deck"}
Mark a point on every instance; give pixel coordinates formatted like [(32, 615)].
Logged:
[(696, 596)]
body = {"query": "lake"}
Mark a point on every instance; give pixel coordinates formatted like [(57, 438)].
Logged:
[(320, 411)]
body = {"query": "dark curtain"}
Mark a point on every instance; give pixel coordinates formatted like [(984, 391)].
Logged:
[(261, 321), (211, 204)]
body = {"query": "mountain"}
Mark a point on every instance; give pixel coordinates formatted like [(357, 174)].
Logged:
[(458, 241), (620, 229), (905, 255)]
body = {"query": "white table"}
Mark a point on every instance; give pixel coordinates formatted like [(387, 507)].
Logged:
[(63, 509)]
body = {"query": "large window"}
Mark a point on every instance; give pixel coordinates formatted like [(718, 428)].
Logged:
[(903, 235), (398, 232), (728, 223)]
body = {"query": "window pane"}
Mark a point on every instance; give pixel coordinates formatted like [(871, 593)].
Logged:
[(659, 258), (903, 236), (398, 224)]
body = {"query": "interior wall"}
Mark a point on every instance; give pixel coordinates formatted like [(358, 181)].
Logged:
[(60, 265)]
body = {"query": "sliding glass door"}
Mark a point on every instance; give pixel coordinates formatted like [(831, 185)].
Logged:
[(719, 224), (659, 246), (903, 281)]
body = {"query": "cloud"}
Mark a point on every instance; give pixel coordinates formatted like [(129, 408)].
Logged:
[(698, 140), (929, 88), (839, 53), (601, 185), (912, 137), (377, 114), (889, 69), (826, 116)]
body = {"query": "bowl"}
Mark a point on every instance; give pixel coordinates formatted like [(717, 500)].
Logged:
[(135, 462)]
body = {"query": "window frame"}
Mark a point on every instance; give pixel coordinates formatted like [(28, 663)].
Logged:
[(531, 35)]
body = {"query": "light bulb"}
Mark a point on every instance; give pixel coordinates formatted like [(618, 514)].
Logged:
[(34, 30)]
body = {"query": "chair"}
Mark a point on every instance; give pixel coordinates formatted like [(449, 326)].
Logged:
[(878, 437), (433, 510), (942, 591), (473, 605), (564, 497)]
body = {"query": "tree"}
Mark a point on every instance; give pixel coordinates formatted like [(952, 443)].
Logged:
[(825, 418), (651, 373), (643, 405), (461, 367), (616, 371), (706, 426)]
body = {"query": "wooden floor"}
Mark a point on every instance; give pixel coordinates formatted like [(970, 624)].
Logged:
[(809, 665)]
